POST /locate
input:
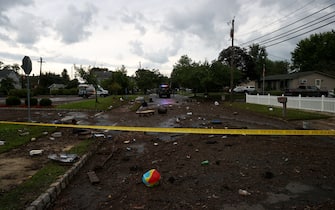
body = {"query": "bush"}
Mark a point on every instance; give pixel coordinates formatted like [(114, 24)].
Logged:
[(45, 102), (13, 101), (33, 101), (21, 93)]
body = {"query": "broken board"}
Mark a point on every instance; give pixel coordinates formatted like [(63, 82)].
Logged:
[(146, 112), (93, 177)]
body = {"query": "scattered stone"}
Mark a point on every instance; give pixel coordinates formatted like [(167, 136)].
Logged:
[(171, 179), (162, 110), (243, 192), (57, 134), (268, 175), (211, 142)]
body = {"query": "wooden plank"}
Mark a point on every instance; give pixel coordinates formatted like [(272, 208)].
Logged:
[(93, 177), (146, 112)]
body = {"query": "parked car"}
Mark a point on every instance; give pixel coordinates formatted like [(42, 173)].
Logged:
[(244, 89), (306, 91)]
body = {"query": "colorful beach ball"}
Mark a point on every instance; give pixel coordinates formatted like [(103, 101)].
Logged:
[(151, 178)]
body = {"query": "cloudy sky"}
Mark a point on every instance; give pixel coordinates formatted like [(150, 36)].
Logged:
[(151, 34)]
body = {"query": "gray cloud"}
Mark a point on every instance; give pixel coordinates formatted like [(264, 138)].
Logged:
[(73, 27), (29, 29), (208, 21), (136, 19), (5, 23)]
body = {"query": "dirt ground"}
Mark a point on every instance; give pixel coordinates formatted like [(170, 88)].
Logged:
[(241, 172)]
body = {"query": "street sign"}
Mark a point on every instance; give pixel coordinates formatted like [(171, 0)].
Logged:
[(26, 65)]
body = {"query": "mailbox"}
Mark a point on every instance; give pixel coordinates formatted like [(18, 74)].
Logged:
[(282, 99)]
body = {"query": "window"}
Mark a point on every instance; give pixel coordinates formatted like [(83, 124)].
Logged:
[(318, 83), (303, 81)]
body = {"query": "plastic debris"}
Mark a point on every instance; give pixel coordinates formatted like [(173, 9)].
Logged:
[(126, 142), (64, 158), (243, 192), (205, 162), (151, 178), (33, 139), (2, 143), (35, 152), (99, 135), (216, 103)]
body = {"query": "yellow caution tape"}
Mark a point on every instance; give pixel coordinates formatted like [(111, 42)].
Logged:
[(190, 130)]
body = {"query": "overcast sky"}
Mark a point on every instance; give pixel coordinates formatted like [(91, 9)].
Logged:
[(152, 34)]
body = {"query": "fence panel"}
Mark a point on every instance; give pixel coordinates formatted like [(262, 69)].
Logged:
[(321, 104)]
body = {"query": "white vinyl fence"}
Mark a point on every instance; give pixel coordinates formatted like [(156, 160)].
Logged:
[(322, 104)]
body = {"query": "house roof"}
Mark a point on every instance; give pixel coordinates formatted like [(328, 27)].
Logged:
[(5, 73), (57, 86), (295, 75)]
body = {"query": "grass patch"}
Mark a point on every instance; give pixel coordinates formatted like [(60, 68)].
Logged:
[(17, 135), (102, 104), (29, 190), (291, 114)]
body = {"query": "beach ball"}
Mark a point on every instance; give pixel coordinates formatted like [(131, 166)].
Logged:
[(151, 178)]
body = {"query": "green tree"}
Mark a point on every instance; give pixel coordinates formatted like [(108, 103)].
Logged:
[(316, 53), (242, 61), (65, 76), (259, 57), (90, 78), (6, 85), (181, 72), (118, 83), (220, 75), (147, 79), (276, 67)]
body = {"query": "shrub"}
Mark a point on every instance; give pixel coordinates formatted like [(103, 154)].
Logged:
[(22, 93), (13, 101), (33, 101), (45, 102)]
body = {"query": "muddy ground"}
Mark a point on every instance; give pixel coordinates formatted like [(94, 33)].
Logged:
[(243, 172)]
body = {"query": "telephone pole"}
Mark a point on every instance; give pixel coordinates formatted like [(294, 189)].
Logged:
[(232, 60), (40, 61)]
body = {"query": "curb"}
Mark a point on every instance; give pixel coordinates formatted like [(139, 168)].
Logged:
[(45, 200)]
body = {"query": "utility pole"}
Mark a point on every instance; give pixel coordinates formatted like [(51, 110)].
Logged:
[(232, 61), (40, 61)]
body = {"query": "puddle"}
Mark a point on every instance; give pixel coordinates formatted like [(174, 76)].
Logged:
[(276, 198), (296, 187), (139, 147)]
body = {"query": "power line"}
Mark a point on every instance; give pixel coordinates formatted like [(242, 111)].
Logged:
[(288, 24), (300, 34), (278, 20), (295, 30)]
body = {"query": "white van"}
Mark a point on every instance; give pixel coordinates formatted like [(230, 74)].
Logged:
[(102, 92), (86, 90)]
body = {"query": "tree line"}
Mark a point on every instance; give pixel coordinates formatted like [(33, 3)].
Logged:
[(316, 53)]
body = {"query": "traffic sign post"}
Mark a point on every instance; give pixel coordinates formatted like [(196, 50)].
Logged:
[(27, 67)]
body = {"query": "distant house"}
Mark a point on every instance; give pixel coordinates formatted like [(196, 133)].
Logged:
[(309, 78), (56, 87), (102, 75), (12, 75)]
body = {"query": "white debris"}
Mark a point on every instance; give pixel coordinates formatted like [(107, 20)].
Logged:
[(243, 192), (35, 152), (216, 103), (57, 134)]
